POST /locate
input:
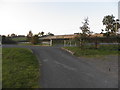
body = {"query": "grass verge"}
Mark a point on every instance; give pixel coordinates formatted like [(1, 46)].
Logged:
[(20, 68), (103, 50)]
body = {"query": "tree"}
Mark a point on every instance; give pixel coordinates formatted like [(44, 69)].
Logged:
[(7, 40), (111, 25), (102, 31), (85, 28), (13, 35), (42, 33), (29, 35), (85, 33), (50, 34), (35, 39)]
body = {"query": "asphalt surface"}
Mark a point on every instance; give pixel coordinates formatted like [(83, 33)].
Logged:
[(60, 69)]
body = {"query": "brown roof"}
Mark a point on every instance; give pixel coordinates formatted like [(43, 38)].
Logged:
[(71, 36), (60, 37)]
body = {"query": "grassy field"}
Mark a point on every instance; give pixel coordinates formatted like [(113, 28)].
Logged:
[(20, 69), (19, 39), (89, 51)]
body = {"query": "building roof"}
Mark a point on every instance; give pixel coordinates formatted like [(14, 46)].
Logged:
[(59, 37), (71, 36)]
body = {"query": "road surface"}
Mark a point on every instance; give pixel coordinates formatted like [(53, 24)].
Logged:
[(60, 69)]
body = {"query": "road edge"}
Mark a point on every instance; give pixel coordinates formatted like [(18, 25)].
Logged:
[(68, 51)]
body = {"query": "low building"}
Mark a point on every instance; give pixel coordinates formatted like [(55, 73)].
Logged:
[(97, 35), (71, 36)]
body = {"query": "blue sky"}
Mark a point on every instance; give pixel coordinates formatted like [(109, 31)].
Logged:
[(55, 17)]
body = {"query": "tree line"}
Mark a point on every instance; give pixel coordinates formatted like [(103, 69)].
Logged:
[(109, 33), (32, 38)]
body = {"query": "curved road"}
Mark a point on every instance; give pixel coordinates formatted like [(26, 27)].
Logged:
[(59, 69)]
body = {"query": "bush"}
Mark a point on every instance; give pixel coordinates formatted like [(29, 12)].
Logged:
[(6, 40)]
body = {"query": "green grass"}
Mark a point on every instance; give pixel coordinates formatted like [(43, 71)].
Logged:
[(19, 39), (89, 51), (20, 69)]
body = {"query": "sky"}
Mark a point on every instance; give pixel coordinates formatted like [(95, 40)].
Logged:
[(56, 16)]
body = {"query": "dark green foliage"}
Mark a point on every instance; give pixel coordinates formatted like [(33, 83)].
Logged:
[(7, 40), (111, 24)]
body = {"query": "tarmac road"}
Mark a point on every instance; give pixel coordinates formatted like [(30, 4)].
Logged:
[(60, 69)]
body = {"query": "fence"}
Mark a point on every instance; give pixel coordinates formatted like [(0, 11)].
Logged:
[(87, 40)]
